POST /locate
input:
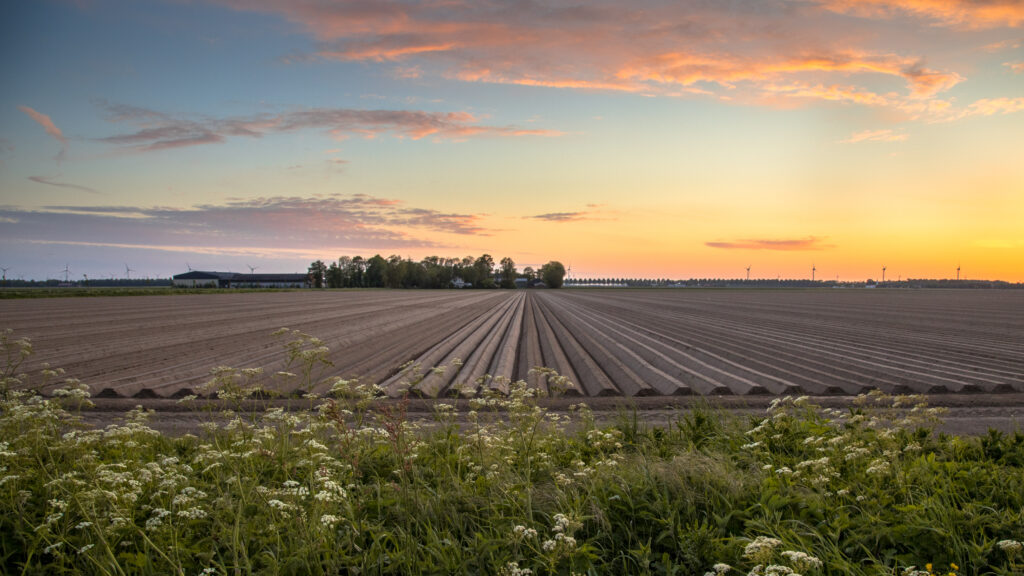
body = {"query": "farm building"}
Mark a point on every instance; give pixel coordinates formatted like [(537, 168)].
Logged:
[(202, 279), (270, 281)]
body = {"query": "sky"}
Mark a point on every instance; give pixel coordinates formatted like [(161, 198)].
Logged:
[(675, 139)]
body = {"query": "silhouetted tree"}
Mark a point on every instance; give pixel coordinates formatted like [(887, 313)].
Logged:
[(376, 268), (552, 273), (317, 271), (508, 273), (335, 277)]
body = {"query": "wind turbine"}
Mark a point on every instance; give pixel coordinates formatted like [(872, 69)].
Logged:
[(748, 271), (187, 266), (66, 270), (813, 270), (252, 269), (883, 273), (5, 273), (128, 272), (957, 272)]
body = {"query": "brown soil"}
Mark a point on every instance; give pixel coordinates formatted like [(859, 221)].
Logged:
[(648, 345)]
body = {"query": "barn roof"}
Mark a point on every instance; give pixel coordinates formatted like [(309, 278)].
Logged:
[(236, 277), (270, 278), (203, 275)]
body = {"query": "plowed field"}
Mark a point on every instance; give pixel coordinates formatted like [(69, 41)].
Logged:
[(607, 342)]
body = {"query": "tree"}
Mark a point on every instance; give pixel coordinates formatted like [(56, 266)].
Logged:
[(552, 274), (508, 273), (484, 268), (529, 273), (317, 271), (335, 278), (375, 270)]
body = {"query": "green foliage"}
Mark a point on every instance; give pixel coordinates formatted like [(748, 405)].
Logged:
[(552, 273), (506, 487)]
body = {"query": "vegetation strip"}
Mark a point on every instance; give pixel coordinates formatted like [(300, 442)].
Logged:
[(353, 485)]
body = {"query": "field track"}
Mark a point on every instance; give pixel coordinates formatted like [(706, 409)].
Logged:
[(606, 342)]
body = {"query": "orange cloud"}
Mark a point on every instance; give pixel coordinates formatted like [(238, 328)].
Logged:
[(670, 49), (383, 53), (808, 243), (991, 106), (1017, 67), (726, 70), (969, 13), (875, 136), (47, 124)]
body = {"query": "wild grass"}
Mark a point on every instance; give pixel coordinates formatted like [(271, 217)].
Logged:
[(352, 486)]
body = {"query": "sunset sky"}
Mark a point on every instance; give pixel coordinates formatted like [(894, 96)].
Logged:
[(640, 139)]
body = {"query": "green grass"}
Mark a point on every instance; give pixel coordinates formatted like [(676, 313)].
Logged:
[(352, 486)]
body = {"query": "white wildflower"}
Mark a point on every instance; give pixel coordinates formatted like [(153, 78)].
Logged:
[(194, 513), (761, 549), (1010, 546), (802, 561), (329, 520)]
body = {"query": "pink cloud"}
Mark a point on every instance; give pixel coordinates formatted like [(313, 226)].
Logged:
[(47, 124), (286, 223), (737, 52)]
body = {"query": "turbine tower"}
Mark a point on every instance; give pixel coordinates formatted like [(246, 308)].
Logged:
[(883, 273), (958, 272), (66, 270), (252, 269), (187, 266), (5, 274), (813, 270), (128, 272), (748, 272)]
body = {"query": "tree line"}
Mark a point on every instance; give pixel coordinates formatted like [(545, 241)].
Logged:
[(430, 272)]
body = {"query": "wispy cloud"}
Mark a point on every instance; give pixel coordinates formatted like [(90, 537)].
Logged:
[(1017, 67), (562, 216), (991, 106), (52, 182), (342, 222), (794, 244), (593, 212), (966, 13), (159, 131), (875, 136), (732, 51), (47, 124)]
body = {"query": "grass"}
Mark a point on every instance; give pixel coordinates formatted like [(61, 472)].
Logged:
[(352, 486)]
